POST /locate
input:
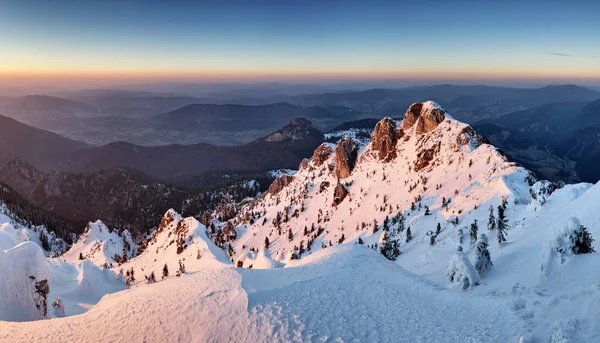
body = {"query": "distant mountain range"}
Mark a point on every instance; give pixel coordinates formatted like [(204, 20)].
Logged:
[(39, 147)]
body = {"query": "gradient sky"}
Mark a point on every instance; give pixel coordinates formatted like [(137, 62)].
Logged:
[(294, 39)]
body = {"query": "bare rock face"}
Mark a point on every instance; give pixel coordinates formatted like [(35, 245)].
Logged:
[(339, 194), (412, 114), (346, 154), (468, 136), (321, 154), (424, 117), (280, 183), (425, 157), (384, 139)]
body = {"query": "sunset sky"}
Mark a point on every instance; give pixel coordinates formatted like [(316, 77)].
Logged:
[(299, 40)]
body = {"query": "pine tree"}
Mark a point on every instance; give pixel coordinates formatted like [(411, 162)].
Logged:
[(360, 241), (267, 243), (375, 226), (432, 239), (44, 241), (483, 261), (290, 235), (491, 219), (165, 272), (473, 232), (438, 229), (385, 223), (132, 275), (80, 256), (151, 278), (408, 234), (502, 225), (461, 236), (427, 210), (582, 241)]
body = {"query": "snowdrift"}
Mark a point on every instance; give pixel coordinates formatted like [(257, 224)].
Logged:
[(24, 283)]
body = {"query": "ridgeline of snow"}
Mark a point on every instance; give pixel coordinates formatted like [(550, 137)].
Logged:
[(177, 240), (99, 245), (78, 284)]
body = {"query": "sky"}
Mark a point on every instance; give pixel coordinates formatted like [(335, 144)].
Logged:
[(125, 41)]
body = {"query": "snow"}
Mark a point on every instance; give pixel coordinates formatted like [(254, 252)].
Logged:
[(315, 300), (280, 172), (21, 267), (100, 245), (350, 292)]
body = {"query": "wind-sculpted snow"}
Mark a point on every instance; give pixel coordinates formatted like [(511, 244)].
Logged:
[(24, 281), (330, 298)]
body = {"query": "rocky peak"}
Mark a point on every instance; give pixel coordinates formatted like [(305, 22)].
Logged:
[(321, 154), (297, 128), (384, 139), (346, 154), (423, 116)]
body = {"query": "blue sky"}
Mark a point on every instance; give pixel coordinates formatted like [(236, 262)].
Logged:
[(288, 39)]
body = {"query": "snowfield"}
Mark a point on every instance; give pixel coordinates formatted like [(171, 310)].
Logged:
[(347, 293), (305, 261)]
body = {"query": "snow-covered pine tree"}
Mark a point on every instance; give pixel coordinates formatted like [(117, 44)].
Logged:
[(438, 229), (461, 236), (483, 261), (491, 219), (473, 232), (389, 248), (460, 272), (267, 243), (582, 241), (165, 271), (408, 234), (290, 235), (502, 225)]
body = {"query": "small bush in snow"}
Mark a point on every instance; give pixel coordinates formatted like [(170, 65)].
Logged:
[(461, 273)]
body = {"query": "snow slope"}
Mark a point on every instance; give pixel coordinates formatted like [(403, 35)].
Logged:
[(99, 245), (326, 297)]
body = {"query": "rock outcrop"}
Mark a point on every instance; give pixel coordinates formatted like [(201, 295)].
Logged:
[(423, 116), (279, 183), (346, 154), (339, 194), (385, 138), (321, 154), (469, 136)]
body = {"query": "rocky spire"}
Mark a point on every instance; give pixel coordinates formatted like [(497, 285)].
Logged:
[(346, 154)]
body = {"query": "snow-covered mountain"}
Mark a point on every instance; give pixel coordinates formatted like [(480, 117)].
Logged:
[(429, 169), (426, 232), (36, 285)]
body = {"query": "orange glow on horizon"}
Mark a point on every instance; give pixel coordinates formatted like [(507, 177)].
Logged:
[(25, 76)]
